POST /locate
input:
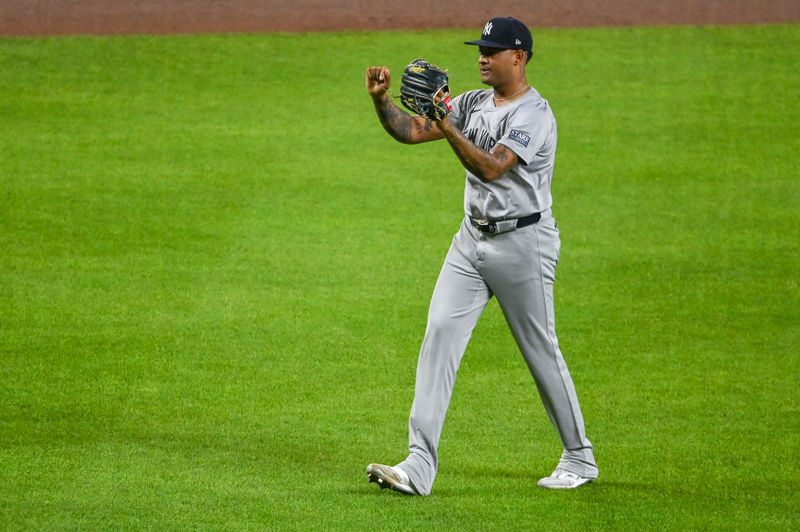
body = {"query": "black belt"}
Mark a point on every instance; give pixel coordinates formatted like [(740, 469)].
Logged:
[(490, 226)]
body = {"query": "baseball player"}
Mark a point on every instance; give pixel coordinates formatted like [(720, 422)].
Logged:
[(507, 246)]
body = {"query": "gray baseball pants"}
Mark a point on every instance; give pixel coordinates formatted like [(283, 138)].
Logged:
[(517, 267)]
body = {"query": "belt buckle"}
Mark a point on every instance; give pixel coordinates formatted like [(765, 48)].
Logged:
[(485, 226)]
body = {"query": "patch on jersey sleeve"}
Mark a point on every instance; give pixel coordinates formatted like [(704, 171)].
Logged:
[(519, 137)]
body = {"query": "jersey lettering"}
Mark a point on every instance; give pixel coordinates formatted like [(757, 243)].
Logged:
[(480, 138)]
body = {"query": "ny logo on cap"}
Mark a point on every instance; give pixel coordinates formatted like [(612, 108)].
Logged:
[(487, 30)]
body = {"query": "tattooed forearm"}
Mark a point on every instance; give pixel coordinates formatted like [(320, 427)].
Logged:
[(485, 165), (403, 127), (394, 121)]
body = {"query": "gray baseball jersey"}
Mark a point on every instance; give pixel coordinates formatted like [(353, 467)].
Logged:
[(527, 127), (517, 267)]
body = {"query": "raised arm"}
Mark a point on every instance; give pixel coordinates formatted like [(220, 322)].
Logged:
[(399, 124)]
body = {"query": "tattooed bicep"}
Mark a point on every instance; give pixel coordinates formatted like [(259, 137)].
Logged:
[(423, 124), (424, 130), (505, 156)]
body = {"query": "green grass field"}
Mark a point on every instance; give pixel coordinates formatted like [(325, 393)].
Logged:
[(215, 269)]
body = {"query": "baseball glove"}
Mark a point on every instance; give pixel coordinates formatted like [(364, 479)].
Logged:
[(425, 90)]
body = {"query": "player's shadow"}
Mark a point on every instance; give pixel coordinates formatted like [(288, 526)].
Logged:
[(465, 480)]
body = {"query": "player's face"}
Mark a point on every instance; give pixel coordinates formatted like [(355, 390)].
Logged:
[(496, 66)]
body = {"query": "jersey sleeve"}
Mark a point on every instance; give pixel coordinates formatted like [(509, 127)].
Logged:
[(529, 128), (457, 113), (462, 106)]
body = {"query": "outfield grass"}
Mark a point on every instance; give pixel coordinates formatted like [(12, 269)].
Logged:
[(215, 268)]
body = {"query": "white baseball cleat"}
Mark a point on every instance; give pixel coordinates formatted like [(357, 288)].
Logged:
[(561, 479), (390, 477)]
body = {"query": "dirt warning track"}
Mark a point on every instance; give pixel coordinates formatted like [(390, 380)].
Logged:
[(99, 17)]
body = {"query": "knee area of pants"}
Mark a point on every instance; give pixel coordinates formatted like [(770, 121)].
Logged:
[(441, 322)]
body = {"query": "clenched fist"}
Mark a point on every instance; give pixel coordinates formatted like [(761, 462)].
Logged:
[(378, 79)]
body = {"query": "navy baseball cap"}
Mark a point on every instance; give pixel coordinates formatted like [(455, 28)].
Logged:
[(505, 33)]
